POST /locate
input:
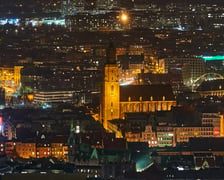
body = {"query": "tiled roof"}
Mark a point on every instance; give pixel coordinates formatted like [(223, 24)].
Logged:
[(157, 92)]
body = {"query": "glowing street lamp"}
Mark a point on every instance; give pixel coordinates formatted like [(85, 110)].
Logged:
[(124, 17)]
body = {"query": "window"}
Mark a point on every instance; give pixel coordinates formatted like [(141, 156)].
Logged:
[(112, 90)]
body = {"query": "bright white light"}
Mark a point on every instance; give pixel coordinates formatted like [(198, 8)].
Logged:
[(77, 129), (126, 82), (180, 168)]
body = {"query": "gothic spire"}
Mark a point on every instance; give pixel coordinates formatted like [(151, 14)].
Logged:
[(111, 54)]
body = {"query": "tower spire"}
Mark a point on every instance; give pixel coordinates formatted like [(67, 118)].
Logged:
[(71, 143), (71, 138), (111, 54), (71, 127)]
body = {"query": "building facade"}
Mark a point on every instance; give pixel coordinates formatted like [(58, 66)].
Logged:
[(215, 120), (191, 68), (117, 100), (44, 97), (110, 104), (10, 79)]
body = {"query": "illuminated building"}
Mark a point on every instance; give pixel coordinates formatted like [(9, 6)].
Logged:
[(10, 80), (145, 98), (149, 136), (110, 105), (134, 136), (159, 130), (117, 100), (183, 134), (162, 137), (190, 68), (221, 125), (136, 49), (216, 120), (10, 148), (59, 150), (165, 136), (33, 149), (26, 150), (43, 150), (211, 88), (48, 97)]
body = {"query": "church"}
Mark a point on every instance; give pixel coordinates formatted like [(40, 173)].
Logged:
[(117, 100)]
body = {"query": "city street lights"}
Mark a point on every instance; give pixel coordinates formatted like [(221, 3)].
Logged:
[(124, 18)]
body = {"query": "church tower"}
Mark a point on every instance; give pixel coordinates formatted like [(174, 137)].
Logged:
[(110, 101), (71, 144)]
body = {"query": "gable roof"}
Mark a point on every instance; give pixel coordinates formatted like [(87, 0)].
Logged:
[(157, 92), (94, 154)]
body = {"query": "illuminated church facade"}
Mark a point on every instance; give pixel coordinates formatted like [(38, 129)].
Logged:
[(117, 100)]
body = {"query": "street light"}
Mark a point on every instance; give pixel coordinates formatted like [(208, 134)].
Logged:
[(124, 17)]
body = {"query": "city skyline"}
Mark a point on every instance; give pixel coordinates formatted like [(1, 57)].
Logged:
[(111, 89)]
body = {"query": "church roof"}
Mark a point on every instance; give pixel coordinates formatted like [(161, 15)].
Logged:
[(157, 92)]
